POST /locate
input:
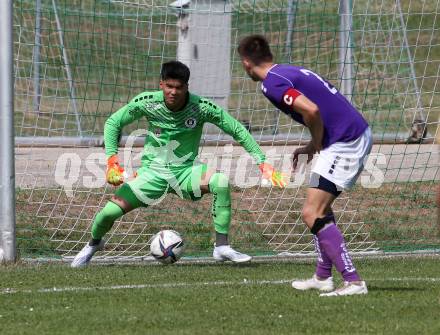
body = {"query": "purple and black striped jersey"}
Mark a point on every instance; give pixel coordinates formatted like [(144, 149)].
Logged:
[(342, 122)]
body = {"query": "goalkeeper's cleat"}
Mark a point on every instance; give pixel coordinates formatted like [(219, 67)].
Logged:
[(349, 288), (226, 253), (324, 285), (85, 255)]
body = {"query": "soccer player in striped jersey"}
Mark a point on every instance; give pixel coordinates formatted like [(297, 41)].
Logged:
[(175, 121), (343, 140)]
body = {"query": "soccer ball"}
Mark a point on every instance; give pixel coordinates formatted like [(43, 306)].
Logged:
[(167, 246)]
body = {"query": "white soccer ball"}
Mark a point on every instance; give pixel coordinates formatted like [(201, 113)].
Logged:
[(167, 246)]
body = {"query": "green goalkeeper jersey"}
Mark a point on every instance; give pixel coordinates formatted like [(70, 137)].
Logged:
[(173, 138)]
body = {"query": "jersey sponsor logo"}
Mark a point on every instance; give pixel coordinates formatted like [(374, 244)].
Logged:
[(191, 122), (158, 106)]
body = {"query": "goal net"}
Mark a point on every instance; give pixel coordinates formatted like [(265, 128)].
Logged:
[(78, 61)]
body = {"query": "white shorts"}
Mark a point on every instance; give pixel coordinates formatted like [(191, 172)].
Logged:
[(342, 162)]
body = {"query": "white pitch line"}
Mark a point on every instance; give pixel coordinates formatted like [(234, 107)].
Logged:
[(142, 286), (194, 284)]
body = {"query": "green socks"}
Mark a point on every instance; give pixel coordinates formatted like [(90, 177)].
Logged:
[(104, 220), (221, 210), (221, 204)]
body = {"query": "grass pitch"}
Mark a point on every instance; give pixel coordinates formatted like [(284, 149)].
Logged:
[(404, 298)]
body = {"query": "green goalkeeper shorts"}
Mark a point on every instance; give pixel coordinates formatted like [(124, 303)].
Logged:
[(152, 184)]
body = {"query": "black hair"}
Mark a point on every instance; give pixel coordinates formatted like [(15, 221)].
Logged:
[(255, 48), (175, 70)]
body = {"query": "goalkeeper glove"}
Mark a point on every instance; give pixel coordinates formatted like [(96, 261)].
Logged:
[(115, 173), (276, 177)]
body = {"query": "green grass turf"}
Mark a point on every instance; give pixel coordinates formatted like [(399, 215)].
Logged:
[(404, 298)]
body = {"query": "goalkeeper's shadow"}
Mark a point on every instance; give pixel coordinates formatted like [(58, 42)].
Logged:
[(252, 265)]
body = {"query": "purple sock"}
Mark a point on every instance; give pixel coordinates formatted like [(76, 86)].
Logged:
[(332, 243), (324, 263)]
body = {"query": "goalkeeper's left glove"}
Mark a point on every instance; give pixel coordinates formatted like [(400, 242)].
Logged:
[(277, 178)]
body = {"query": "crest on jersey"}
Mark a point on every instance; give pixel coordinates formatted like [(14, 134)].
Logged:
[(191, 122), (157, 132)]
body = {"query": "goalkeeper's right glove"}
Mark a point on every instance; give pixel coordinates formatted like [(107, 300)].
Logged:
[(115, 173), (277, 178)]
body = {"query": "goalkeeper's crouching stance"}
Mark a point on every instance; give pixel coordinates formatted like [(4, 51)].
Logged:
[(175, 122)]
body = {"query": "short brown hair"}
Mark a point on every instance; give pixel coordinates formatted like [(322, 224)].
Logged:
[(255, 48)]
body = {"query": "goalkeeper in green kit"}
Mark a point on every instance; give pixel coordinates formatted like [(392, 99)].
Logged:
[(175, 121)]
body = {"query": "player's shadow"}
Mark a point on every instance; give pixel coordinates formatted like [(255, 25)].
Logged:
[(253, 265), (374, 288), (183, 264), (222, 264)]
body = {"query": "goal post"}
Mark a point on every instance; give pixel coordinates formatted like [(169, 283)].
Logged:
[(345, 48), (78, 61), (7, 173)]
